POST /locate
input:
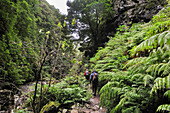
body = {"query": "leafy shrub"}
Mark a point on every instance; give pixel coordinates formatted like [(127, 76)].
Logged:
[(69, 91)]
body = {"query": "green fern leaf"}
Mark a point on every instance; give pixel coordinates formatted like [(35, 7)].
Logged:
[(128, 110), (167, 39), (163, 83), (119, 106), (167, 94), (164, 107), (161, 38), (158, 39), (147, 79), (164, 68)]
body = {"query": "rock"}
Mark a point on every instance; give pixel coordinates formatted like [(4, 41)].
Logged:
[(74, 111), (95, 108), (64, 111), (125, 11), (87, 105), (74, 106), (95, 112)]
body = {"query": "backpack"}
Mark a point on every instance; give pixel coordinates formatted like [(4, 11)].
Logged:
[(87, 73), (95, 74), (95, 78)]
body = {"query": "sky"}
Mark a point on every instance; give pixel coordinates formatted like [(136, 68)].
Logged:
[(60, 4)]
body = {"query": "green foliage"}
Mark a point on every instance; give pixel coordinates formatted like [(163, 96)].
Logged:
[(16, 32), (28, 33), (134, 69), (70, 90), (161, 84), (89, 17), (165, 107), (167, 94), (160, 22), (161, 40), (21, 111)]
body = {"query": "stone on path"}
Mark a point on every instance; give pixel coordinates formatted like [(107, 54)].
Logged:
[(93, 107), (74, 111)]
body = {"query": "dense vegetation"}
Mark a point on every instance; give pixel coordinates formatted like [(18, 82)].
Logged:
[(98, 19), (34, 46), (131, 56), (31, 33), (134, 67)]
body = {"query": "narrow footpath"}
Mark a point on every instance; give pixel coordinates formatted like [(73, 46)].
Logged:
[(92, 107)]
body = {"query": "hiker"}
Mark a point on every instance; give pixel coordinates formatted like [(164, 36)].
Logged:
[(94, 80), (87, 74)]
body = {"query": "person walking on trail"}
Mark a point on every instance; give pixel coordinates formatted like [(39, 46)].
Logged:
[(87, 74), (94, 80)]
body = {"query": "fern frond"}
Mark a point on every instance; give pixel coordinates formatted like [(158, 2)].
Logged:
[(167, 39), (153, 42), (167, 94), (160, 69), (137, 77), (129, 110), (163, 83), (161, 38), (137, 61), (164, 107), (152, 68), (147, 79), (164, 68), (157, 79), (167, 47), (166, 54), (147, 44), (119, 106)]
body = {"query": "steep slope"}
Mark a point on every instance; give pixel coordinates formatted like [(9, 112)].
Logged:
[(134, 67)]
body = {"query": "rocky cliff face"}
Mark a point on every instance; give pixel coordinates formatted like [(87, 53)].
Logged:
[(125, 11)]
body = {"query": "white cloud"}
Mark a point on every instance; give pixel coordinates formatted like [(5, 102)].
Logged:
[(60, 4)]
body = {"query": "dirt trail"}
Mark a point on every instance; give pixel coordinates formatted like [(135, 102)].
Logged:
[(93, 107)]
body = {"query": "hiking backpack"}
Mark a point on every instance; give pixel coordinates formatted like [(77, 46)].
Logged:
[(87, 73)]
